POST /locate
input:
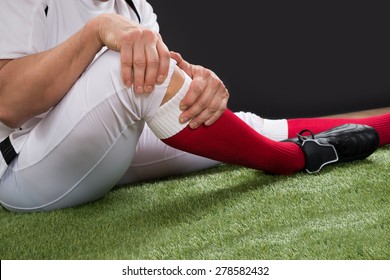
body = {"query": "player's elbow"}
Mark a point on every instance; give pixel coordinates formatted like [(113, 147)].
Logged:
[(9, 122), (8, 117)]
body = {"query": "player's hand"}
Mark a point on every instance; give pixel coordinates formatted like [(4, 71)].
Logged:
[(207, 96), (144, 56)]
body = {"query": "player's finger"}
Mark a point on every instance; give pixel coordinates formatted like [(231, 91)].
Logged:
[(221, 109), (139, 66), (212, 112), (184, 65), (152, 65), (199, 108), (126, 56), (195, 90), (163, 54)]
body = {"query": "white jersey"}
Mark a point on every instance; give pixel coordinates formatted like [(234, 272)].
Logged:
[(26, 29)]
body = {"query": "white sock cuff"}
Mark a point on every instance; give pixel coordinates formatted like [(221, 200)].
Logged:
[(276, 130), (166, 123), (253, 120)]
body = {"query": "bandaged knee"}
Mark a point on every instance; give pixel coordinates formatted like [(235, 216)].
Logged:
[(165, 123)]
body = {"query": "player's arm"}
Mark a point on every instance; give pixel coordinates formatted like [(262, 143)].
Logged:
[(33, 84)]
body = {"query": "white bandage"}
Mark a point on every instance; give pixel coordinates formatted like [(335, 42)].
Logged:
[(165, 122)]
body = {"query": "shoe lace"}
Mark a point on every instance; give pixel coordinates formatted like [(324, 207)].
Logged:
[(302, 137)]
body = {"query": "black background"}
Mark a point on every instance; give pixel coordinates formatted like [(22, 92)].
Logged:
[(286, 58)]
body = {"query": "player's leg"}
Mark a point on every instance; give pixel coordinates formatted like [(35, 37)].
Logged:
[(231, 140), (381, 123), (281, 129), (154, 159), (80, 149)]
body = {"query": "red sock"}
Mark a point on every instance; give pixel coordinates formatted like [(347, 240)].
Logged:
[(231, 140), (316, 125)]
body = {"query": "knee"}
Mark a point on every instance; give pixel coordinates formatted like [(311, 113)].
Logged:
[(108, 65), (105, 65)]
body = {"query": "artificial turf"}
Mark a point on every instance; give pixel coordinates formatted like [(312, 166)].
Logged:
[(227, 212)]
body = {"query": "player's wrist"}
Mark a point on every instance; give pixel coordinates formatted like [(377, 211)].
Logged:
[(92, 33)]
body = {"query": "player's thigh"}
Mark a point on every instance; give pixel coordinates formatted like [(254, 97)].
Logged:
[(82, 147)]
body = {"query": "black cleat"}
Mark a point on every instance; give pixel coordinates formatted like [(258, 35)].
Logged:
[(344, 143)]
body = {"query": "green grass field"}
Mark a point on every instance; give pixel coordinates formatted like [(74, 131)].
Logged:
[(227, 212)]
